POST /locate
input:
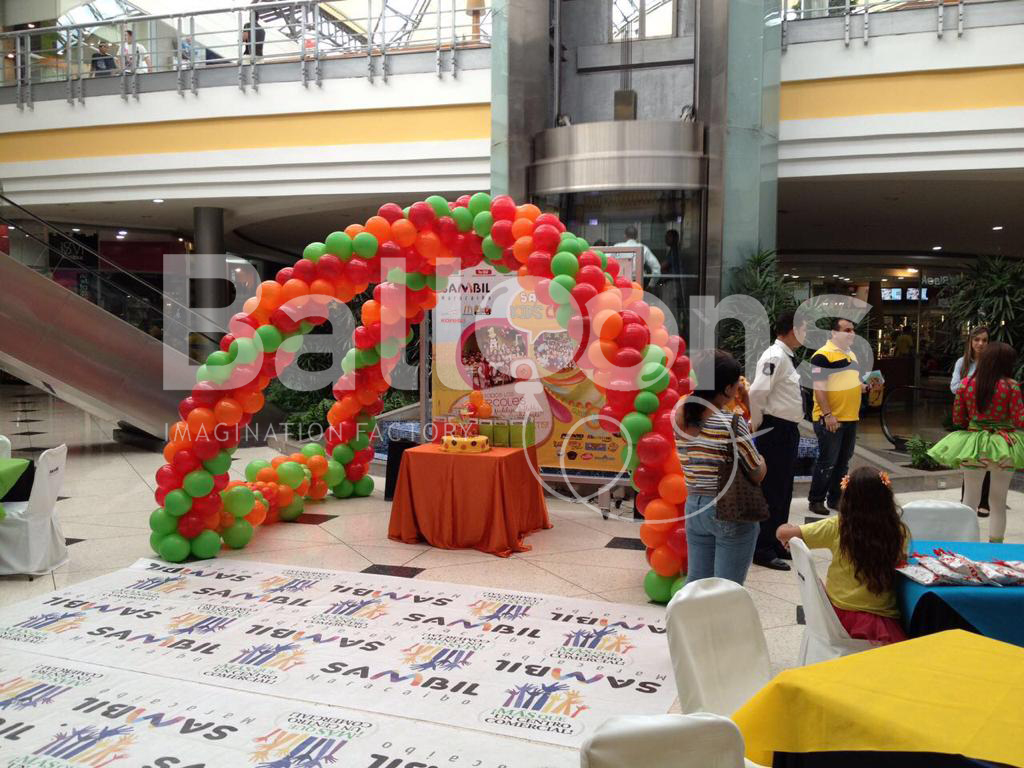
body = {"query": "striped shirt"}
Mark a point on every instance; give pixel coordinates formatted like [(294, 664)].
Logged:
[(702, 454)]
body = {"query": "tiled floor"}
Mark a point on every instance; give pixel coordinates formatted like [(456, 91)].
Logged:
[(108, 495)]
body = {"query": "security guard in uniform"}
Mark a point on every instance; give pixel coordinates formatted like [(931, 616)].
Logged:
[(776, 408)]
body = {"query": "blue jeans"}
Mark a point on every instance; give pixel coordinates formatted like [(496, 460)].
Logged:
[(834, 452), (717, 547)]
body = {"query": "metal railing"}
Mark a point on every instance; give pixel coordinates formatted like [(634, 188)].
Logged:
[(304, 32), (851, 10)]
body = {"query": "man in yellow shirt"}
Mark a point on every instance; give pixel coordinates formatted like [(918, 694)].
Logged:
[(836, 376)]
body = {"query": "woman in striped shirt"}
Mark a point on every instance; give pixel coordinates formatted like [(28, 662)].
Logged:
[(716, 547)]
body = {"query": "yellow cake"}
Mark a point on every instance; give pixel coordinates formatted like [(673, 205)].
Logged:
[(475, 444)]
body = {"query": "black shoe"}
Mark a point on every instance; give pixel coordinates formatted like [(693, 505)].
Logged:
[(982, 512), (817, 508), (784, 555), (776, 564)]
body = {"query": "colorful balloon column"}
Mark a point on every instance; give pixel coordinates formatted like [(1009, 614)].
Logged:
[(640, 368)]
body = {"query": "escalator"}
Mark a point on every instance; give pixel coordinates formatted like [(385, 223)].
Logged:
[(79, 352)]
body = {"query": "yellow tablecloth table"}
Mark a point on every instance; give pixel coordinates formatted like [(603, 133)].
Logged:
[(953, 693)]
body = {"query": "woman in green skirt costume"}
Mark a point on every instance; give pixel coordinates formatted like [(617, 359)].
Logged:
[(989, 410)]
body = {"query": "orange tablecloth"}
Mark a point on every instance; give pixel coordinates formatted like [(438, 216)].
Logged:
[(487, 501)]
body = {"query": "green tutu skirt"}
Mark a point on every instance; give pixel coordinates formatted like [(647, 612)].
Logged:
[(980, 449)]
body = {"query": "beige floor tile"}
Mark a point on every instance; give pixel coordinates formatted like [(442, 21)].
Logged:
[(504, 573), (14, 589), (604, 556), (595, 578), (431, 557), (774, 611), (784, 646), (336, 557), (634, 595), (401, 554)]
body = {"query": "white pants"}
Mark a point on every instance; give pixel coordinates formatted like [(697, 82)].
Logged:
[(997, 490)]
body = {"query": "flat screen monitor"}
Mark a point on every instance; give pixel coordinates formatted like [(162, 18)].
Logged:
[(892, 294)]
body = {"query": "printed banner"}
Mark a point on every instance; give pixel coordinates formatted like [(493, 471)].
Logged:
[(491, 333), (540, 668)]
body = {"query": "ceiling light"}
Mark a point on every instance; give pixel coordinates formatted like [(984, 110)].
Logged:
[(885, 279), (120, 237), (11, 226), (158, 199), (10, 55), (31, 25), (821, 277), (899, 278), (795, 277), (912, 270), (181, 239), (76, 229), (936, 247), (997, 229), (835, 275), (122, 231)]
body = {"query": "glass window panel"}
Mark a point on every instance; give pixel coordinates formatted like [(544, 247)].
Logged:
[(659, 18)]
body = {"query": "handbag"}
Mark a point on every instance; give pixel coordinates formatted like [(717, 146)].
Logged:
[(739, 501)]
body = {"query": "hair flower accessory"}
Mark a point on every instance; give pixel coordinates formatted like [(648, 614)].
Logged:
[(844, 482), (882, 475)]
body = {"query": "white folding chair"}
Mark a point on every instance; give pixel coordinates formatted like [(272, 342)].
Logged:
[(824, 637), (31, 541), (699, 740), (718, 649), (936, 520), (5, 448)]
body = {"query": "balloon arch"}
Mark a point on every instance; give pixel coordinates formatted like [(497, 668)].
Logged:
[(622, 342)]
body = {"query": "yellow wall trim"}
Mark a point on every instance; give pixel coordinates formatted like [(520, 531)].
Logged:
[(934, 91), (371, 126)]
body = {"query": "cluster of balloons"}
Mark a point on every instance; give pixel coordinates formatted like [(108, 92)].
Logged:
[(479, 407), (406, 253)]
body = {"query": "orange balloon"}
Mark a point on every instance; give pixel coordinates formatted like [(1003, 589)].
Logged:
[(251, 402), (285, 495), (659, 511), (349, 405), (201, 422), (476, 397), (653, 536), (404, 232), (366, 396), (485, 410), (608, 324), (659, 336), (228, 411), (294, 289), (179, 433), (429, 245), (298, 458), (353, 229), (389, 315), (226, 520), (344, 290), (334, 415), (429, 301), (596, 355), (665, 562), (655, 318), (522, 227), (371, 312), (301, 490), (609, 349), (324, 289), (672, 489), (269, 294), (522, 248), (267, 474), (173, 447), (258, 514), (523, 272), (317, 490), (528, 211), (250, 304), (317, 465), (379, 227)]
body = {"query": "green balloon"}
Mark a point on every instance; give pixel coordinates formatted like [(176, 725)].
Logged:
[(396, 275), (367, 423), (439, 204), (340, 244), (604, 259), (482, 223), (162, 523), (292, 344), (499, 267), (292, 511), (463, 219), (583, 244), (197, 483), (492, 251), (658, 588), (154, 541), (655, 354), (363, 486), (305, 326), (628, 458), (314, 251), (387, 349), (270, 337), (206, 544), (177, 503), (259, 497), (238, 535), (253, 467), (678, 584), (565, 235), (239, 500), (348, 362), (636, 425), (479, 202), (565, 263), (203, 374), (313, 449), (218, 358), (438, 282), (561, 287), (219, 464), (646, 402), (343, 454), (343, 489), (365, 245), (416, 281), (360, 442), (174, 548), (335, 473), (243, 351), (563, 315), (405, 211), (569, 245), (366, 357), (653, 377), (290, 473)]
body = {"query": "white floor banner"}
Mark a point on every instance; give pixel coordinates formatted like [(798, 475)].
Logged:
[(323, 668)]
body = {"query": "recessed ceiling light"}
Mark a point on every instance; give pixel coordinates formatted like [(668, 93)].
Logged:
[(31, 25), (120, 237), (885, 279), (10, 55), (795, 277), (122, 231), (181, 239), (821, 277), (158, 199), (76, 229), (912, 270), (997, 229), (835, 275), (11, 226), (899, 278), (936, 247)]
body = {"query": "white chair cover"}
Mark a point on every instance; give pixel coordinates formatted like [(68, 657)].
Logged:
[(31, 541), (5, 448), (936, 520), (718, 649), (824, 637), (699, 740)]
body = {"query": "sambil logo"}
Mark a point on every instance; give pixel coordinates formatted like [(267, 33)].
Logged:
[(90, 746), (21, 693), (601, 646), (162, 584), (281, 584), (198, 624), (424, 657), (281, 656), (352, 612), (54, 623), (549, 707), (306, 741), (497, 606)]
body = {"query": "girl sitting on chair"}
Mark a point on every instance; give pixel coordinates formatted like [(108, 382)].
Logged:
[(868, 541)]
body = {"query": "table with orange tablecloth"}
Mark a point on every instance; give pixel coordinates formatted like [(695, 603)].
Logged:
[(487, 501)]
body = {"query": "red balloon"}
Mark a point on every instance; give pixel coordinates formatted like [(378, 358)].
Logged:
[(205, 448), (362, 338), (623, 283), (643, 499), (357, 272), (364, 456), (663, 425), (627, 357), (549, 220), (546, 238), (346, 430), (304, 270), (329, 267), (673, 381), (448, 231), (590, 275), (642, 309), (543, 291), (220, 482), (242, 325), (539, 264), (606, 416), (184, 461), (422, 215), (676, 540), (685, 387), (161, 495), (668, 399), (681, 367), (284, 274), (581, 294), (391, 211), (462, 201), (355, 470), (166, 477), (589, 259), (225, 342), (186, 406), (629, 317), (501, 233), (282, 320), (191, 525), (612, 268), (204, 504), (635, 335), (503, 208), (646, 478), (653, 449), (374, 408), (206, 394)]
